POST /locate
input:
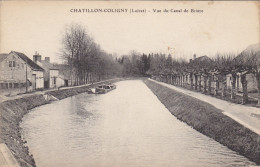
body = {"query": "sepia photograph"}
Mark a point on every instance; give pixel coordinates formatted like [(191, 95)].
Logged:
[(129, 83)]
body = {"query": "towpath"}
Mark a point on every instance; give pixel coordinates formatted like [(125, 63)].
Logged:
[(6, 157), (245, 115)]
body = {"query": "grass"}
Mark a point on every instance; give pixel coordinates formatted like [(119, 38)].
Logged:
[(11, 113), (210, 121)]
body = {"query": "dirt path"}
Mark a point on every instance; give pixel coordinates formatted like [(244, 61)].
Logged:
[(4, 98), (245, 115)]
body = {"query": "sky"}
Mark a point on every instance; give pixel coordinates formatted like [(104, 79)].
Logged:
[(222, 27)]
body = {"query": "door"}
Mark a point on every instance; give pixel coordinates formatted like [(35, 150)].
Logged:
[(34, 81), (66, 82), (46, 84)]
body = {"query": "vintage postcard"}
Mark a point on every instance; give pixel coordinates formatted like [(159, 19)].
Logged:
[(129, 83)]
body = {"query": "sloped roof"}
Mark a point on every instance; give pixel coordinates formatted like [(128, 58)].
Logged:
[(201, 62), (48, 65), (252, 48), (26, 59), (3, 56), (65, 71), (251, 53), (202, 59)]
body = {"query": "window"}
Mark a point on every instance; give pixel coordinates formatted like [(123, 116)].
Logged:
[(11, 63)]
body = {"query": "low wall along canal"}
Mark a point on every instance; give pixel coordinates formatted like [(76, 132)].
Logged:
[(128, 126)]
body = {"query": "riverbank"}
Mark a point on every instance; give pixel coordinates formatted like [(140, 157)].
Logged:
[(12, 111), (209, 120)]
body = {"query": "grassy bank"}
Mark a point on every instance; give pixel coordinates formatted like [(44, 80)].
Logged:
[(11, 114), (12, 111), (210, 121)]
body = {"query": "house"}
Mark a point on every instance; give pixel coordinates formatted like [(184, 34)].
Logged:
[(250, 55), (19, 74), (202, 62), (52, 77), (66, 73)]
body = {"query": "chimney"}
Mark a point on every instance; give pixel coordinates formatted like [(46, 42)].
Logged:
[(37, 57), (194, 56), (47, 59)]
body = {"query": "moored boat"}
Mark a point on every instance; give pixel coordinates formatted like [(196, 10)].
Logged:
[(104, 88)]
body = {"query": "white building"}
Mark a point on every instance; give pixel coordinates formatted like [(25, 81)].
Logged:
[(19, 74), (52, 79)]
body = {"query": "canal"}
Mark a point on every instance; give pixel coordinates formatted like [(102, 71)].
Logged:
[(127, 127)]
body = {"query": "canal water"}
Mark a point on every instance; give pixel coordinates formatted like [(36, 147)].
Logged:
[(127, 127)]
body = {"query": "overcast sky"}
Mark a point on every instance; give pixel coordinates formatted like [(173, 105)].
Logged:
[(30, 26)]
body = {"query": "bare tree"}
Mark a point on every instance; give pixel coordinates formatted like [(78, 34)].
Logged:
[(84, 56)]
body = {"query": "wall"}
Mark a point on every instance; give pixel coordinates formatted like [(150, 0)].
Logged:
[(17, 73), (39, 79), (13, 78), (46, 74), (251, 83), (60, 82), (54, 74)]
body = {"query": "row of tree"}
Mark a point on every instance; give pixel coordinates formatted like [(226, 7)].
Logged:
[(134, 64), (202, 74), (87, 61), (209, 71)]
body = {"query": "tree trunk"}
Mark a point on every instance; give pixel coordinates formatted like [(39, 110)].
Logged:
[(191, 81), (209, 84), (224, 87), (216, 87), (233, 86), (186, 81), (237, 84), (244, 87), (205, 78), (196, 82), (257, 75), (183, 80), (199, 82)]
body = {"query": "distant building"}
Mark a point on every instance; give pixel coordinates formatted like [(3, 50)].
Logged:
[(202, 61), (52, 77), (251, 53), (19, 74)]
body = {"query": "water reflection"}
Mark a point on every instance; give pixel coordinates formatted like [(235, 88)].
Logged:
[(125, 127)]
